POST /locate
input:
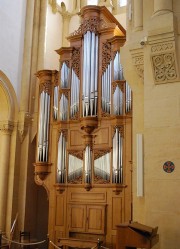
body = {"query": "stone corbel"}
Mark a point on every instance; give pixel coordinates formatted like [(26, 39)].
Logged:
[(23, 124), (138, 61)]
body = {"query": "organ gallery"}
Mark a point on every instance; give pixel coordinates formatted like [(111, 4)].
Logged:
[(84, 132)]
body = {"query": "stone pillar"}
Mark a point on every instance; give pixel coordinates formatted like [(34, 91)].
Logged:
[(5, 134), (65, 31), (162, 6), (138, 15), (42, 34)]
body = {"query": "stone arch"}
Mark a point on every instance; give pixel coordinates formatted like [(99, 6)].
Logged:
[(8, 100)]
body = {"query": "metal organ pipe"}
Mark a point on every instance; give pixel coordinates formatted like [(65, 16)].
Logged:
[(118, 70), (75, 85), (43, 127), (128, 98), (75, 167), (90, 74), (87, 166), (55, 105), (106, 89), (64, 75), (102, 166), (117, 157), (61, 161)]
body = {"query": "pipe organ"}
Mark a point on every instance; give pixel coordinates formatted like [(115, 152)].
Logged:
[(84, 134)]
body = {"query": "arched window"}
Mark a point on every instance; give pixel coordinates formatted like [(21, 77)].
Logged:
[(92, 2), (122, 3)]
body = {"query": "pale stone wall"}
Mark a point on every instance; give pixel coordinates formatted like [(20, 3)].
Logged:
[(12, 24), (156, 95)]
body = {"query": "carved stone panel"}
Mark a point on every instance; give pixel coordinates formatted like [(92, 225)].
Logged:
[(164, 63)]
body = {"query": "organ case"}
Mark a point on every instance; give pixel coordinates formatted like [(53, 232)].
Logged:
[(84, 134)]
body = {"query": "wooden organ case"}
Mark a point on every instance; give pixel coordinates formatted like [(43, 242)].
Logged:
[(84, 136)]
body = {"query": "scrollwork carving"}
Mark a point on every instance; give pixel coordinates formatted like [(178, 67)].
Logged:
[(77, 153), (138, 62), (106, 55), (164, 67), (90, 24), (76, 61)]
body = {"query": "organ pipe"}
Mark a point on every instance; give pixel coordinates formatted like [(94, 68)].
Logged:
[(90, 74), (75, 168), (61, 161), (118, 70), (102, 166), (75, 85), (118, 102), (117, 157), (64, 75), (128, 98), (63, 107), (87, 164), (55, 104), (106, 89), (44, 110)]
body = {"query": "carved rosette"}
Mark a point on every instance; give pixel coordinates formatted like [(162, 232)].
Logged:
[(164, 62), (106, 55), (76, 61)]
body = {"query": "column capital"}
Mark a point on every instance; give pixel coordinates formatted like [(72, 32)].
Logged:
[(6, 126)]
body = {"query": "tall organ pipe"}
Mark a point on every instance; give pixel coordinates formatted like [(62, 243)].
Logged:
[(128, 98), (61, 161), (75, 85), (55, 104), (43, 127), (106, 89), (90, 74), (117, 157), (87, 166)]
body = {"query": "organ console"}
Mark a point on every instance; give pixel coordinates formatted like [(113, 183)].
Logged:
[(84, 134), (136, 235)]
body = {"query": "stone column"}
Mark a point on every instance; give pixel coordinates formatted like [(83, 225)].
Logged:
[(5, 137), (162, 6), (65, 31), (138, 15), (42, 34)]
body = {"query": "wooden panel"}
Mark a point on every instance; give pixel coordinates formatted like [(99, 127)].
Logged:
[(102, 136), (77, 218), (116, 211), (96, 219), (88, 197), (76, 138), (59, 221)]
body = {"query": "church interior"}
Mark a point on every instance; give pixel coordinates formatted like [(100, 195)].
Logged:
[(89, 123)]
